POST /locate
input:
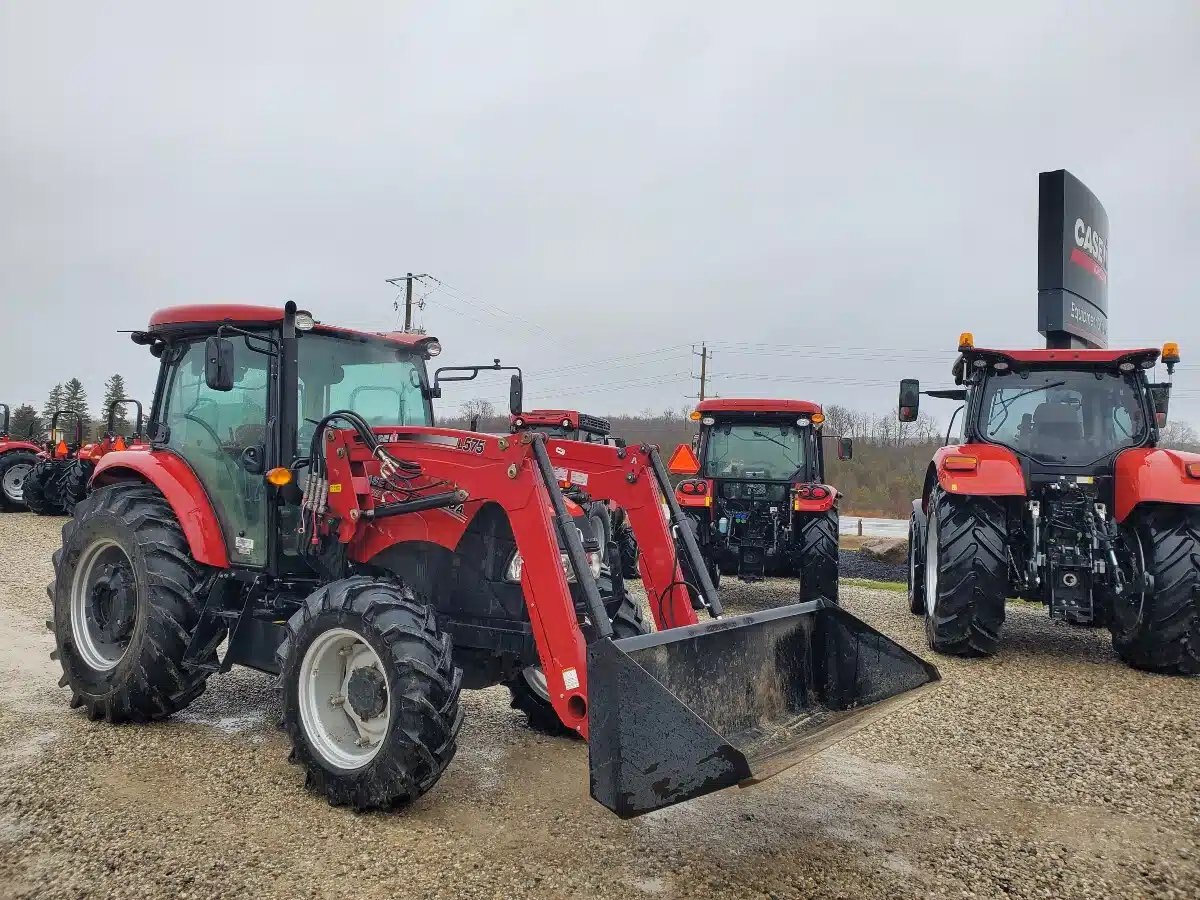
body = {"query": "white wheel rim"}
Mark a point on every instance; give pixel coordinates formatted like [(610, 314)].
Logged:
[(99, 651), (536, 679), (14, 481), (343, 735), (931, 565)]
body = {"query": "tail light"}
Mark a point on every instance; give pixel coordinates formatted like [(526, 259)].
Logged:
[(688, 487), (819, 493), (957, 463)]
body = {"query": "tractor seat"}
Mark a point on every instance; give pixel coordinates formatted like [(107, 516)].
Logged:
[(1057, 422)]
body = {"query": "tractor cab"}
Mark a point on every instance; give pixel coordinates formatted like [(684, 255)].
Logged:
[(756, 486)]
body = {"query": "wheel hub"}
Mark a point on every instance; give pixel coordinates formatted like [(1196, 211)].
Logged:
[(366, 692), (104, 605), (113, 603)]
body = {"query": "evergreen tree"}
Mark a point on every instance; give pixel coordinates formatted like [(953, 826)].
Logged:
[(114, 389), (26, 424), (54, 403), (74, 404)]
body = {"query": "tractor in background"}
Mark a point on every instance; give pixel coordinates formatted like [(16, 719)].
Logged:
[(1056, 490), (45, 483), (608, 519), (18, 456), (297, 507), (73, 485), (754, 488)]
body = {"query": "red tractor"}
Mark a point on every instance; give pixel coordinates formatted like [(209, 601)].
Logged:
[(298, 505), (607, 519), (73, 485), (44, 488), (1056, 491), (756, 490), (17, 458)]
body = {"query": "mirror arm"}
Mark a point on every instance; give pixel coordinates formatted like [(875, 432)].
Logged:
[(227, 329)]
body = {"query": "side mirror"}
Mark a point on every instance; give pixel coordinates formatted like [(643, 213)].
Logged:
[(516, 394), (1160, 399), (910, 399), (845, 448), (218, 364), (684, 461)]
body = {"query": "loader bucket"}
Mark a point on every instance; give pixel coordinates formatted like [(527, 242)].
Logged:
[(681, 713)]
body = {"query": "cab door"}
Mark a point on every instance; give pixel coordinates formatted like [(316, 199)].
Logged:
[(223, 437)]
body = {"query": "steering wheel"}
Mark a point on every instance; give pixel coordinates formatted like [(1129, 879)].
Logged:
[(216, 439)]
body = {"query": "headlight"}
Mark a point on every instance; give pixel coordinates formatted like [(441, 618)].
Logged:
[(516, 566)]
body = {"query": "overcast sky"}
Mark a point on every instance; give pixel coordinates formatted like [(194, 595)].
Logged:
[(828, 198)]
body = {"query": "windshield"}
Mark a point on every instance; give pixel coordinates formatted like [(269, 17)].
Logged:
[(1063, 416), (755, 451), (377, 380)]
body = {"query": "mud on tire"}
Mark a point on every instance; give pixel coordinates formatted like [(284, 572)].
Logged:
[(816, 558), (627, 621), (966, 574), (412, 666), (1159, 631), (124, 578)]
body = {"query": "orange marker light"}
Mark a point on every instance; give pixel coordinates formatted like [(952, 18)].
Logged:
[(966, 341), (961, 463), (817, 418), (1170, 353), (1193, 470), (279, 476), (694, 415)]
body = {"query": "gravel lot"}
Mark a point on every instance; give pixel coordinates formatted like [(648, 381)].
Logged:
[(1048, 771)]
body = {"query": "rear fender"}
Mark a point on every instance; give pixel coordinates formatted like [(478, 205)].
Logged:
[(9, 446), (187, 497), (1153, 475), (997, 473)]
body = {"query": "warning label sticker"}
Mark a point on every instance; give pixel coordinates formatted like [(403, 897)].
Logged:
[(570, 679)]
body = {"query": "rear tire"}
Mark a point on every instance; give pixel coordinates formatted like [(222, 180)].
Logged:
[(396, 692), (627, 545), (73, 485), (125, 606), (14, 467), (37, 489), (1160, 631), (528, 688), (966, 574), (601, 521), (817, 556), (916, 569)]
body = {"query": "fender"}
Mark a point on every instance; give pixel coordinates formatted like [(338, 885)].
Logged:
[(177, 482), (803, 504), (9, 446), (997, 474), (1153, 475)]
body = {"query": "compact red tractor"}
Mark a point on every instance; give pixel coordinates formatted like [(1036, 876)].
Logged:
[(44, 486), (755, 488), (607, 518), (298, 505), (73, 485), (1056, 491), (17, 458)]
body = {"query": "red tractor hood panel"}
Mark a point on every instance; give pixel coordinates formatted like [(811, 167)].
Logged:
[(1153, 475), (6, 446), (997, 474)]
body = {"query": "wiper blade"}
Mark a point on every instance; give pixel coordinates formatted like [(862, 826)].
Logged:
[(780, 443)]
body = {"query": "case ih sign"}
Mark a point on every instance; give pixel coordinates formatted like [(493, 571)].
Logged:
[(1072, 263)]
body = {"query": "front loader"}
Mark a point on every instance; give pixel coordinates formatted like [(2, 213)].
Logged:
[(17, 457), (377, 564)]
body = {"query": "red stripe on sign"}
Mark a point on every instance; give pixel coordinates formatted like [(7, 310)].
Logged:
[(1082, 260)]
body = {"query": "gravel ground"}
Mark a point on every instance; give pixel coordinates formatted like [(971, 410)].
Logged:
[(1048, 771), (854, 564)]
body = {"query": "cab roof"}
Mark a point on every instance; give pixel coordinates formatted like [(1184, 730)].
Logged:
[(201, 315), (1067, 357), (741, 405)]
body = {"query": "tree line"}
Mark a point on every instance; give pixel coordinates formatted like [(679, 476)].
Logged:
[(890, 457), (70, 401)]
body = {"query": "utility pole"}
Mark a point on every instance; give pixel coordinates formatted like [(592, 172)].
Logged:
[(408, 296), (705, 355)]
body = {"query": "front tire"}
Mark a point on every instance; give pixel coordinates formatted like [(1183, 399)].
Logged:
[(125, 606), (817, 556), (1159, 631), (370, 694), (627, 545), (529, 692), (14, 467), (966, 574)]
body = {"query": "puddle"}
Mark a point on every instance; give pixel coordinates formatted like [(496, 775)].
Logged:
[(225, 724)]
